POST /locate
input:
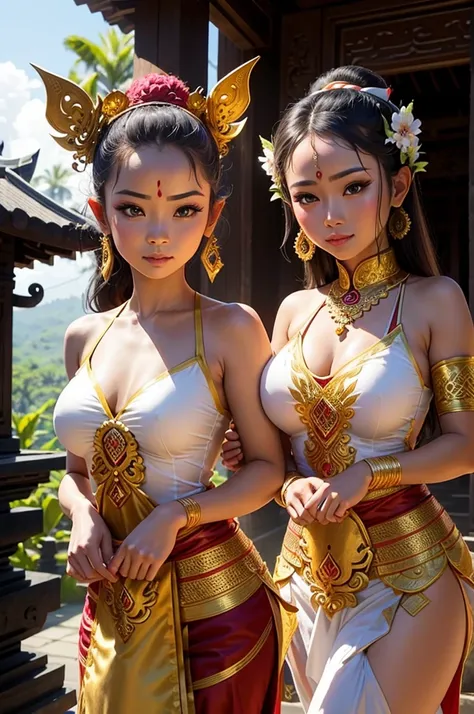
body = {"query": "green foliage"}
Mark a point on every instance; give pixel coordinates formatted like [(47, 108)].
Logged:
[(38, 370), (26, 425), (102, 66)]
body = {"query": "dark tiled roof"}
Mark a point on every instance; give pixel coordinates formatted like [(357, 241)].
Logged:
[(115, 12), (44, 226)]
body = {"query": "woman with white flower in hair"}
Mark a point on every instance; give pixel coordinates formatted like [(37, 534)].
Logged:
[(376, 348)]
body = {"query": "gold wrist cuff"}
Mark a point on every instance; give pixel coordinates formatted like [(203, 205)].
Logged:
[(453, 385), (290, 477), (386, 472), (193, 512)]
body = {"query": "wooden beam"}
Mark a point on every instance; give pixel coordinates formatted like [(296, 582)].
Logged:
[(172, 36), (471, 179), (247, 24)]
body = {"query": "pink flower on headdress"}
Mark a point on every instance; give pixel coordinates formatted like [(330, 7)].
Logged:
[(158, 88)]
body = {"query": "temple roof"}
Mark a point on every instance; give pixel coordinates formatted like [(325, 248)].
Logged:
[(42, 227)]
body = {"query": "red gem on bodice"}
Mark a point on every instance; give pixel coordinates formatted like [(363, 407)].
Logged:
[(327, 469), (352, 297), (115, 446)]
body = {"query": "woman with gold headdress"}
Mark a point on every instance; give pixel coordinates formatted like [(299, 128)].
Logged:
[(375, 346), (181, 613)]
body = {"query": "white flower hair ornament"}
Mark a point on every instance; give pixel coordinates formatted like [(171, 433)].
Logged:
[(268, 165), (403, 131)]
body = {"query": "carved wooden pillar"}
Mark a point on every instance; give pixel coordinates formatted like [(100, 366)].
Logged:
[(7, 443), (172, 36)]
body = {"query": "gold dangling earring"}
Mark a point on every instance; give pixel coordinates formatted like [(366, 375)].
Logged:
[(399, 224), (304, 248), (211, 258), (107, 263)]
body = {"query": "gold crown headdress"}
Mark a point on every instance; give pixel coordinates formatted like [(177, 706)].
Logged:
[(72, 112)]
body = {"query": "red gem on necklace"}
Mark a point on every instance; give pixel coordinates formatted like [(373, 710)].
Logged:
[(352, 297)]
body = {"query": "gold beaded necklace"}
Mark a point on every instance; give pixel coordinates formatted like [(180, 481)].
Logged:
[(371, 282)]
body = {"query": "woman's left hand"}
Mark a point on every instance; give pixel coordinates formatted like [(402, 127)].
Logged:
[(331, 501), (144, 551)]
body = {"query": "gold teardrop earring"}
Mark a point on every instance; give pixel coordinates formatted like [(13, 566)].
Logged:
[(399, 223), (107, 261), (304, 248), (211, 258)]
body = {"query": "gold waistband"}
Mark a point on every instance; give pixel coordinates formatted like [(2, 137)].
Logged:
[(220, 578), (408, 553)]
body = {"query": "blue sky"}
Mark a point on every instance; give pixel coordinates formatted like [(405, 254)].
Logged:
[(33, 31)]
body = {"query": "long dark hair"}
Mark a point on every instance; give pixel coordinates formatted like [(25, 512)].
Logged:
[(152, 125), (354, 118)]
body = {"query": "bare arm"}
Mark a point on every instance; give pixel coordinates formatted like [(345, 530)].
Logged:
[(452, 335), (247, 352), (90, 547)]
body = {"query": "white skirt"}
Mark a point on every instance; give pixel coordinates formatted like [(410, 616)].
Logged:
[(327, 657)]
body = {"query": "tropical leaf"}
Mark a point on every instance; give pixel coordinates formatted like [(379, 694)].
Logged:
[(52, 513)]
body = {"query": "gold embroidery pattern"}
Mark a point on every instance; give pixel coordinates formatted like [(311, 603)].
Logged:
[(215, 557), (128, 611), (453, 385), (326, 412), (336, 562), (116, 459), (238, 666), (372, 281)]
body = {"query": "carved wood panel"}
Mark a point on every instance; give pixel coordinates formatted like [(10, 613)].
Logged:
[(407, 44), (300, 54)]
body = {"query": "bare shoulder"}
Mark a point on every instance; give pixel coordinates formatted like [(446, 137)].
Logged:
[(81, 334), (232, 319), (296, 309), (439, 296)]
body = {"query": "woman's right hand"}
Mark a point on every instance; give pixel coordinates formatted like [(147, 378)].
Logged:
[(297, 495), (90, 547), (232, 454)]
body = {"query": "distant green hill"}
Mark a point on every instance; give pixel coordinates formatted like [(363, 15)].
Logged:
[(38, 334)]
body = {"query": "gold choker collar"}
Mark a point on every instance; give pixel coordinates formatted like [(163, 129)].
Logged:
[(371, 282)]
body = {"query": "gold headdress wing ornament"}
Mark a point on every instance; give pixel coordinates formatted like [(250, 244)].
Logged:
[(73, 113)]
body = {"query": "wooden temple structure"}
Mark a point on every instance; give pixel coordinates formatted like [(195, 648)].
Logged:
[(32, 227)]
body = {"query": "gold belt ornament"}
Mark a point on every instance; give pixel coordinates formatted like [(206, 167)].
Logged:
[(334, 560), (408, 553)]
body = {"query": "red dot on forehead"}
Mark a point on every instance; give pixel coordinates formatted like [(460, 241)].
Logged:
[(319, 174), (159, 192)]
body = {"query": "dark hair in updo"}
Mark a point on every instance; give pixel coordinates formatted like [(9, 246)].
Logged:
[(354, 118), (148, 125)]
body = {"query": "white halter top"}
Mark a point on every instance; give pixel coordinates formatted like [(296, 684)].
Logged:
[(373, 405), (177, 420)]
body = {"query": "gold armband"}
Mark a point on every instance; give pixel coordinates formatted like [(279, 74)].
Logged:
[(290, 477), (453, 385), (386, 472), (193, 512)]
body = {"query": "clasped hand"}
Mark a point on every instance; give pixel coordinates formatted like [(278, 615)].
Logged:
[(327, 501), (140, 555)]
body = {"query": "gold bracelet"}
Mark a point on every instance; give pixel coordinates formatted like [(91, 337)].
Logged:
[(290, 477), (386, 472), (193, 512)]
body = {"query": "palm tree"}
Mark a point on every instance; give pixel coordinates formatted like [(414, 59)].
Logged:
[(54, 180), (103, 67)]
